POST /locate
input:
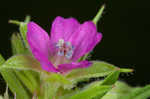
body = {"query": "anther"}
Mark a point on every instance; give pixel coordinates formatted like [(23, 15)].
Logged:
[(64, 49)]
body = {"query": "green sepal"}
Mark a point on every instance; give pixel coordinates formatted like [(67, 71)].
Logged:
[(22, 29), (99, 14), (57, 78)]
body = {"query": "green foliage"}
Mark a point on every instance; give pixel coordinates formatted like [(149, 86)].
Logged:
[(23, 32), (112, 78), (88, 92), (109, 81), (22, 67), (123, 91), (49, 90), (98, 69), (91, 92), (139, 93), (58, 78), (13, 82), (17, 44), (21, 62), (95, 90), (119, 91)]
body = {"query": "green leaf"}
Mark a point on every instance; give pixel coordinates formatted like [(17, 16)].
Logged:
[(91, 92), (119, 91), (29, 80), (21, 63), (88, 92), (97, 90), (140, 93), (144, 95), (111, 78), (13, 82), (28, 67), (17, 44), (123, 91), (98, 69)]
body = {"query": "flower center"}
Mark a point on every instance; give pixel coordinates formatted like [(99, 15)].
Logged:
[(64, 49)]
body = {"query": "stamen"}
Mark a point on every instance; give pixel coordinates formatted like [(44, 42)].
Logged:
[(69, 54), (64, 49), (60, 43)]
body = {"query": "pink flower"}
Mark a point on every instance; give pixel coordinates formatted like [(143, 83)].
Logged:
[(68, 41)]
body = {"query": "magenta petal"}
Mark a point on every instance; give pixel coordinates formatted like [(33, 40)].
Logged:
[(38, 37), (84, 39), (98, 38), (45, 63), (64, 68), (63, 28), (38, 41)]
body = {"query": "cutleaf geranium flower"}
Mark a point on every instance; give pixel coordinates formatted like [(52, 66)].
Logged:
[(68, 41)]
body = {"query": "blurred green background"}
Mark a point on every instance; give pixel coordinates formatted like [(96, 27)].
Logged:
[(125, 27)]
